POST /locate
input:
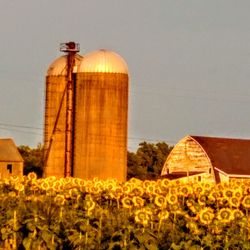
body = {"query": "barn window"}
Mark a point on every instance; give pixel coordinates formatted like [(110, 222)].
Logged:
[(9, 168)]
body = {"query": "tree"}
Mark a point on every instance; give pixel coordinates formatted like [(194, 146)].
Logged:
[(148, 160), (33, 159), (134, 168)]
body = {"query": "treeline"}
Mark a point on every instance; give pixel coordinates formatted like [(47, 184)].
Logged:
[(33, 159), (148, 160), (145, 163)]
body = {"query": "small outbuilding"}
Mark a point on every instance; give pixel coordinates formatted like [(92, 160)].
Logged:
[(201, 158), (11, 161)]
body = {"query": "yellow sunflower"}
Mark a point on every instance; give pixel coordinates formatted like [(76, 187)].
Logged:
[(59, 199), (45, 185), (173, 190), (99, 185), (117, 192), (163, 215), (146, 183), (158, 190), (185, 191), (51, 179), (237, 214), (73, 193), (150, 189), (127, 189), (127, 202), (222, 201), (246, 201), (206, 215), (202, 199), (198, 189), (94, 189), (137, 190), (172, 199), (143, 216), (75, 181), (164, 183), (213, 196), (32, 176), (234, 201), (160, 201), (109, 186), (57, 186), (14, 178), (138, 201), (225, 215), (135, 181), (19, 187), (228, 193), (238, 193), (208, 185)]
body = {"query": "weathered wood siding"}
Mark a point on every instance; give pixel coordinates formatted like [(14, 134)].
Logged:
[(203, 177), (188, 157), (16, 169)]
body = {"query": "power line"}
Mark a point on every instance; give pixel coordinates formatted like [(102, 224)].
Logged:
[(12, 127), (193, 97), (150, 139), (20, 126), (20, 131)]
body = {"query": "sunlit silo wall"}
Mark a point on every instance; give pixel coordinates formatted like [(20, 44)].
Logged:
[(55, 117), (101, 110)]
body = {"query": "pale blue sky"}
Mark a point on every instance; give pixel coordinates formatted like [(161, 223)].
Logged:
[(189, 62)]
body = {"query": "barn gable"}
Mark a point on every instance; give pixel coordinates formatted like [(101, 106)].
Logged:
[(221, 158), (186, 159)]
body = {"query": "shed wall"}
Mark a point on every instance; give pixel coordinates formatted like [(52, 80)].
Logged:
[(17, 169)]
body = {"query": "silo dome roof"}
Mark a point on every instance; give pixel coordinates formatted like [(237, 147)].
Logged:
[(103, 61), (59, 66)]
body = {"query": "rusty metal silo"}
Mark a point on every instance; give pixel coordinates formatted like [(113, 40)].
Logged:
[(100, 117), (55, 122)]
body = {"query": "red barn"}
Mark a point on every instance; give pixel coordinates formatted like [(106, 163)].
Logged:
[(200, 158)]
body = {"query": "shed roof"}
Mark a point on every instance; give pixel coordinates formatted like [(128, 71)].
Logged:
[(231, 156), (9, 151)]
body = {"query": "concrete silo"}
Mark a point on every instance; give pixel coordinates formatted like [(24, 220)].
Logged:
[(55, 116), (86, 121), (101, 114)]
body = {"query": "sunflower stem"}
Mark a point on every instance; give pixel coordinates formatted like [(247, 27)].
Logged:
[(86, 234), (100, 232)]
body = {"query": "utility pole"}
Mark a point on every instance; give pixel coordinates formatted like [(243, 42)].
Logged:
[(71, 48)]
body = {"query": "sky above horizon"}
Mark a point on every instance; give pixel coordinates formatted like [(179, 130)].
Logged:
[(189, 63)]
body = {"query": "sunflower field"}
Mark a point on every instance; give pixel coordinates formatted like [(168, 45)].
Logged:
[(71, 213)]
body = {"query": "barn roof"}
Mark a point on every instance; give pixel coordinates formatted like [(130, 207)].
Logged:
[(9, 151), (231, 156)]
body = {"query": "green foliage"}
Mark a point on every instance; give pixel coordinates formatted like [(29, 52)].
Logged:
[(33, 159), (148, 160), (146, 163)]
